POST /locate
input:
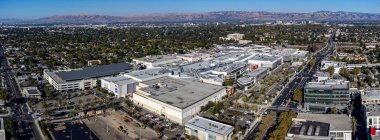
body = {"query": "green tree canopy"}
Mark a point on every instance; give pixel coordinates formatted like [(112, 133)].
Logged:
[(331, 70)]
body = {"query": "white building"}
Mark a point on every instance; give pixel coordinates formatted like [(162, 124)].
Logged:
[(337, 65), (321, 76), (371, 102), (234, 36), (252, 77), (206, 129), (193, 57), (156, 60), (148, 74), (268, 61), (83, 78), (2, 129), (320, 127), (177, 99), (121, 86)]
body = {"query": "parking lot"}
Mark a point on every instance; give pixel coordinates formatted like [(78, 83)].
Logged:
[(114, 126), (74, 130)]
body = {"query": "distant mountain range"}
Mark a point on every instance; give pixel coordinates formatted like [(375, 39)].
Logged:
[(222, 16)]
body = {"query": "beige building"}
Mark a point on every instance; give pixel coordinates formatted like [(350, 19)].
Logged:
[(206, 129), (234, 36), (93, 62), (176, 99), (32, 92)]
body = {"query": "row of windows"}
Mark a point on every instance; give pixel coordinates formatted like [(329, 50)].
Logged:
[(336, 134), (327, 96), (373, 121)]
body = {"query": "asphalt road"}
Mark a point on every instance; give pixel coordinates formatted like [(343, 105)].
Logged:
[(18, 104)]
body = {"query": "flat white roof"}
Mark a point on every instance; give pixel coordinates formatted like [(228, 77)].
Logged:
[(120, 80), (338, 122), (209, 126), (147, 73), (178, 92)]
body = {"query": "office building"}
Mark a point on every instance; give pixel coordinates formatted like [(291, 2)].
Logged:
[(320, 127), (177, 99), (84, 78), (319, 96), (206, 129)]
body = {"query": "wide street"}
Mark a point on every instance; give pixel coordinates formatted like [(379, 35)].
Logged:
[(300, 79), (21, 114)]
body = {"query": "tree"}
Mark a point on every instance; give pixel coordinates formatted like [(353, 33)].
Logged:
[(3, 94), (331, 70), (8, 124), (80, 101), (43, 105), (356, 71), (354, 124), (344, 72), (237, 128), (312, 62), (297, 95)]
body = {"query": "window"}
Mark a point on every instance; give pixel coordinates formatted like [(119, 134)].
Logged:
[(339, 134), (332, 134), (194, 132), (211, 137), (370, 121), (374, 120)]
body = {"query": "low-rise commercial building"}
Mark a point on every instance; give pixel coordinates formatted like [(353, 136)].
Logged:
[(32, 92), (321, 76), (156, 60), (148, 74), (206, 129), (177, 99), (373, 119), (371, 102), (371, 97), (268, 61), (319, 96), (337, 65), (320, 127), (121, 85), (84, 78), (252, 76), (234, 36)]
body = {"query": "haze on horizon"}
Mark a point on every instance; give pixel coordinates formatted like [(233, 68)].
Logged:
[(31, 9)]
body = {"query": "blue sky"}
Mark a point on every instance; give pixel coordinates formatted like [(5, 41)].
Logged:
[(31, 9)]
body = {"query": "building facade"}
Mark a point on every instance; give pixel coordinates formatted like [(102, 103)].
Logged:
[(84, 78), (120, 86), (176, 99), (319, 96), (267, 61)]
